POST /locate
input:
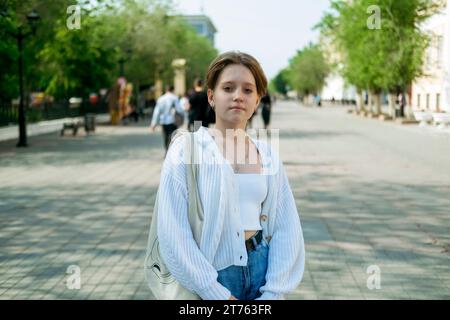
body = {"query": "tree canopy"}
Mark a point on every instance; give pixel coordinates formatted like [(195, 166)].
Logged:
[(308, 70), (67, 61), (380, 41)]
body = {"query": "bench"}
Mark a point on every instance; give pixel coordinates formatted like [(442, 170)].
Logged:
[(441, 119), (423, 117), (75, 124), (71, 125)]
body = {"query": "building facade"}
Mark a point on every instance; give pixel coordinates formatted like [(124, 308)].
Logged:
[(202, 25), (336, 89), (432, 91)]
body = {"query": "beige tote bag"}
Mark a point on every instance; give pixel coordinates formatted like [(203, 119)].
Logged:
[(161, 282)]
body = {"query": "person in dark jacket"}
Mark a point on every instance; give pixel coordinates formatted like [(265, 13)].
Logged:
[(198, 105), (266, 109)]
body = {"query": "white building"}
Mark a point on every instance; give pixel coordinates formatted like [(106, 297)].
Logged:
[(202, 25), (336, 89), (432, 91)]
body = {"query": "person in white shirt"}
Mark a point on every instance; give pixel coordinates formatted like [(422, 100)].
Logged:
[(251, 244), (163, 114)]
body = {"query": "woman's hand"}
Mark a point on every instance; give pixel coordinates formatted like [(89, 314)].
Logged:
[(232, 298)]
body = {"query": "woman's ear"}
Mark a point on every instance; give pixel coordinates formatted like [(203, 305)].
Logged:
[(210, 97)]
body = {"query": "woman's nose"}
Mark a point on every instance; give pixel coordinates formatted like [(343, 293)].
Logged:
[(238, 95)]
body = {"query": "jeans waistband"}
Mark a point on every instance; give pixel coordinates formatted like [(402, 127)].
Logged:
[(253, 242)]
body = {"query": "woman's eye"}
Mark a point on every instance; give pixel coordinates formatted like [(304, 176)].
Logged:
[(227, 88), (249, 90)]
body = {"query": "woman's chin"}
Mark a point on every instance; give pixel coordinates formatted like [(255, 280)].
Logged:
[(236, 120)]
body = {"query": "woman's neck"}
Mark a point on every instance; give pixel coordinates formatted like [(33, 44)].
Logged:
[(233, 130)]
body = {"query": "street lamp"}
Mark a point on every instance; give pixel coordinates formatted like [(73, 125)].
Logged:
[(33, 19)]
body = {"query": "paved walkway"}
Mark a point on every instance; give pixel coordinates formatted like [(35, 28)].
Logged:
[(369, 194)]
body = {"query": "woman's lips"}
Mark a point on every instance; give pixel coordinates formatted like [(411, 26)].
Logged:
[(237, 109)]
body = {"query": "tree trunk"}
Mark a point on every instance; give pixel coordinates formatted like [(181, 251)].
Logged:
[(409, 114), (377, 103), (370, 102), (392, 99), (310, 100), (360, 101)]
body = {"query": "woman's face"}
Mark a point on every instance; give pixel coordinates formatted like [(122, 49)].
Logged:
[(235, 97)]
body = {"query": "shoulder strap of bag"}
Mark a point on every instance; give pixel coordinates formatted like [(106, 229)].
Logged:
[(195, 206), (195, 209)]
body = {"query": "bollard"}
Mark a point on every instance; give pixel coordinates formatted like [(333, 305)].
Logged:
[(89, 122)]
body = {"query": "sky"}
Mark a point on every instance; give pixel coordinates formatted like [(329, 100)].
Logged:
[(270, 30)]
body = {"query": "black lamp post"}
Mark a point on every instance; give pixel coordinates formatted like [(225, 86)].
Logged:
[(32, 18)]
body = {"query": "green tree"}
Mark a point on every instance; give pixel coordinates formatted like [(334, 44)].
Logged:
[(388, 57), (13, 17), (75, 62), (156, 36), (280, 82), (308, 70)]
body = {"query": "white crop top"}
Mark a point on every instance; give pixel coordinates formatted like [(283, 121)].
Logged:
[(252, 193)]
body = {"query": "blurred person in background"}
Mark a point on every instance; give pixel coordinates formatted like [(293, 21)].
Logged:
[(113, 103), (163, 115), (266, 109), (198, 105), (128, 110), (184, 102)]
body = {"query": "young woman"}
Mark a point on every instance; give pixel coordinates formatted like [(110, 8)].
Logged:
[(251, 244)]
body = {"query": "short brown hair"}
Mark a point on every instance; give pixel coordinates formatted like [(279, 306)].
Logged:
[(236, 57), (198, 82)]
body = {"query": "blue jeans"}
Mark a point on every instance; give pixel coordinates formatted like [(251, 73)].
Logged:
[(245, 282)]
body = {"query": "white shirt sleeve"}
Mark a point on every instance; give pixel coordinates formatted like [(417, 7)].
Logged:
[(286, 249), (177, 245), (156, 114)]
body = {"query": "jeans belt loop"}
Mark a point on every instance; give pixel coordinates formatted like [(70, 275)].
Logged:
[(252, 243), (255, 244)]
